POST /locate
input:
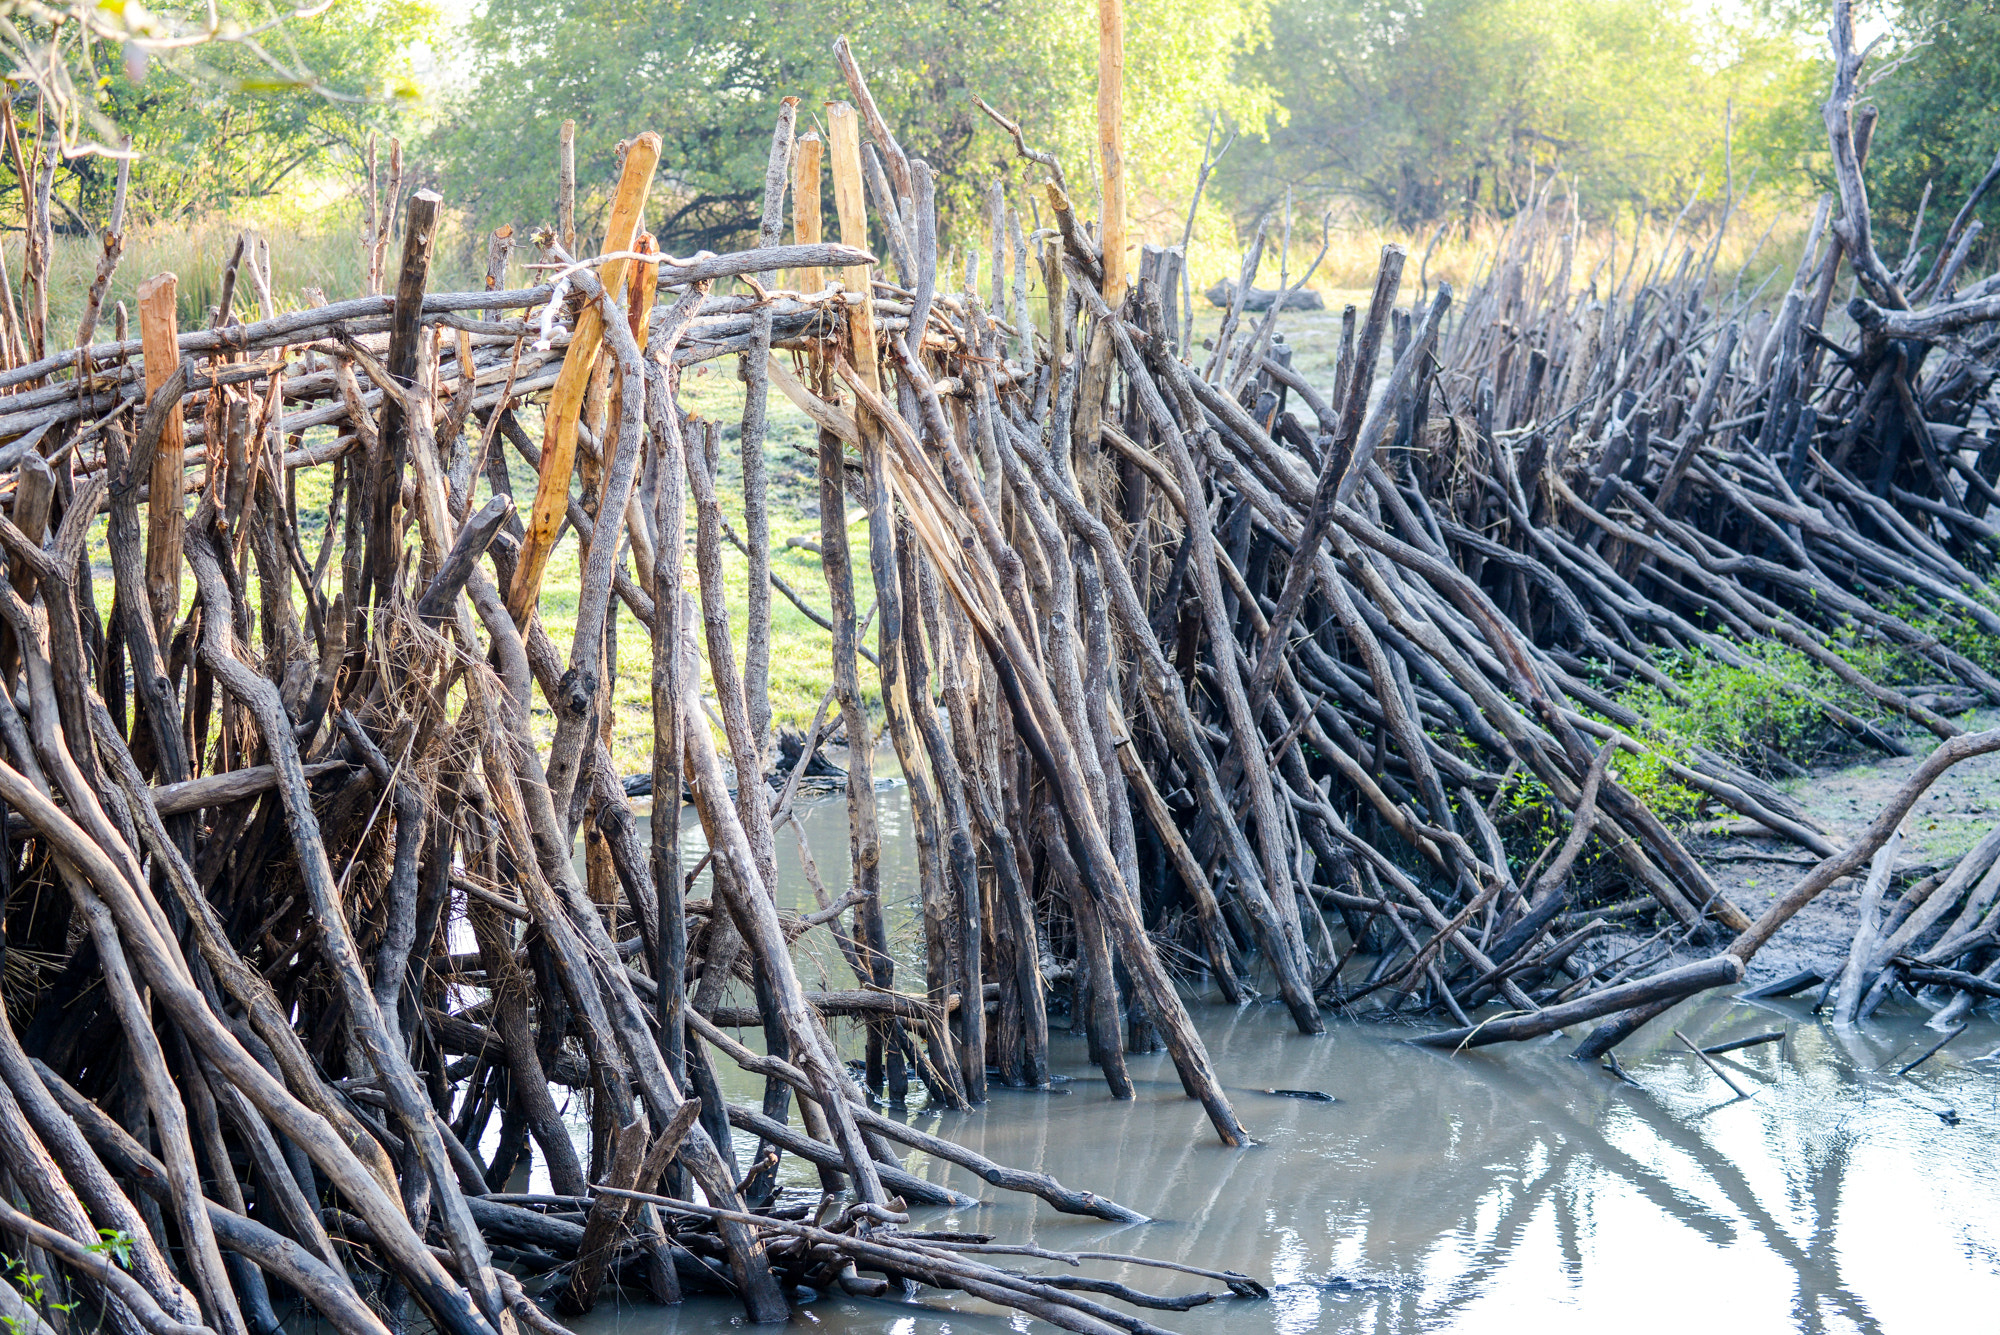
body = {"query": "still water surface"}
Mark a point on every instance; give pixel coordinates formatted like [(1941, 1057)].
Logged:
[(1504, 1190)]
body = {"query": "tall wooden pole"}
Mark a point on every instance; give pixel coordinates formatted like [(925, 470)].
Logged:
[(1111, 142), (806, 169), (159, 333), (384, 546), (566, 399), (844, 127), (566, 186)]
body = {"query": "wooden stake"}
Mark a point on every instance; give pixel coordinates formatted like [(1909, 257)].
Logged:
[(388, 217), (756, 482), (1709, 1062), (644, 289), (805, 205), (499, 246), (1111, 142), (848, 201), (884, 1058), (159, 337), (566, 186), (34, 500), (371, 220), (642, 286), (566, 398), (385, 530)]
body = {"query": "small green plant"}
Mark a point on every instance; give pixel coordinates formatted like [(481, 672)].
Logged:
[(1527, 802), (1738, 710), (33, 1285), (1648, 777), (1895, 664), (1960, 634), (115, 1243)]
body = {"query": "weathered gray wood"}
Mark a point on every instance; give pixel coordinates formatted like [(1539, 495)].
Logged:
[(1662, 989)]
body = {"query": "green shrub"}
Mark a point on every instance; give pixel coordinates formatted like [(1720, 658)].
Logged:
[(1738, 711)]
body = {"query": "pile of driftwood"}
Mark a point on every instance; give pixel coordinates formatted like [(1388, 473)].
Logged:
[(1191, 667)]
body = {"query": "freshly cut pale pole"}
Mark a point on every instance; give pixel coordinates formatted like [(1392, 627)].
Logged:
[(1111, 142), (844, 126), (807, 157), (566, 399), (159, 333)]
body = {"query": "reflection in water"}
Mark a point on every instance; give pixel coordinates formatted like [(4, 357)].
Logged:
[(1499, 1190)]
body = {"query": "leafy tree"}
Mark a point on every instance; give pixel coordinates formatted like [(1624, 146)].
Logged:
[(232, 130), (1940, 116), (708, 76), (1422, 110), (222, 102)]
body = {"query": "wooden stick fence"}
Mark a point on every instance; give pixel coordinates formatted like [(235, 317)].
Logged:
[(1190, 672)]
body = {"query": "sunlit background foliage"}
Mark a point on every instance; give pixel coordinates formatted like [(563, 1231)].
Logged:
[(1404, 115)]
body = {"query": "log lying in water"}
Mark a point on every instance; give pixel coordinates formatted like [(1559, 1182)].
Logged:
[(1664, 987)]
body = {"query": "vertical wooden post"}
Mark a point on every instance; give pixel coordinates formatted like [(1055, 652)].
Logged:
[(159, 337), (844, 130), (851, 205), (566, 398), (642, 290), (566, 186), (499, 248), (388, 219), (1111, 143), (384, 544), (371, 213), (806, 161), (754, 369), (34, 502)]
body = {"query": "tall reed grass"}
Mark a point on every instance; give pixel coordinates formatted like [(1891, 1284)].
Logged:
[(310, 249), (1756, 246), (317, 244)]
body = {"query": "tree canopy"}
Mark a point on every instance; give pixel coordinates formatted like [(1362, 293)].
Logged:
[(1940, 115), (709, 76), (1410, 112), (1423, 110), (231, 117)]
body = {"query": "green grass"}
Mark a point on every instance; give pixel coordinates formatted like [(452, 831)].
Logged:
[(801, 652), (312, 247), (320, 248), (1768, 705), (1748, 712), (1740, 711)]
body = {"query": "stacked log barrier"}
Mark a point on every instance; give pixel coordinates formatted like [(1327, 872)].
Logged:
[(1197, 672)]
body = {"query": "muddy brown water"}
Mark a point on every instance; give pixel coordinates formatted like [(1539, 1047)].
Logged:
[(1501, 1190)]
